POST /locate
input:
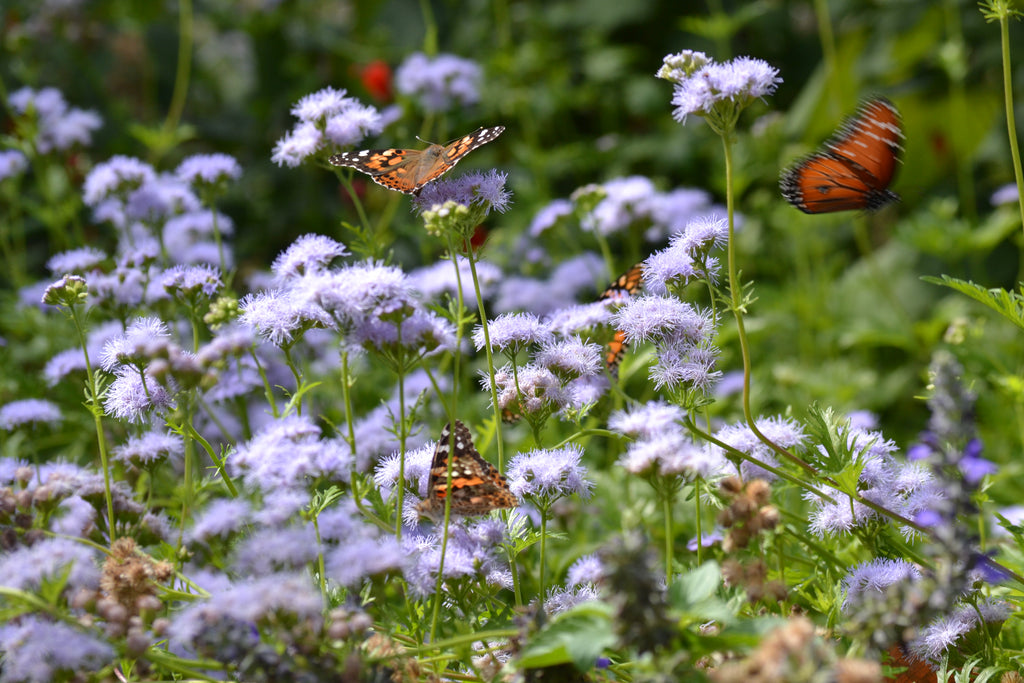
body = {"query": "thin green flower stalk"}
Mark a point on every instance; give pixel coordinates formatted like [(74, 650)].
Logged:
[(1002, 11), (182, 76), (69, 293)]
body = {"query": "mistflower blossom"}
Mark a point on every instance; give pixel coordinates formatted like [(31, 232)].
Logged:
[(297, 145), (703, 85), (268, 550), (201, 170), (359, 558), (116, 177), (1007, 194), (672, 453), (310, 253), (255, 602), (781, 431), (151, 447), (159, 200), (423, 332), (548, 474), (130, 348), (570, 357), (483, 190), (561, 599), (440, 83), (646, 421), (219, 519), (655, 318), (681, 361), (189, 281), (575, 319), (78, 260), (512, 332), (12, 163), (27, 567), (628, 201), (29, 412), (550, 216), (279, 317), (672, 211), (59, 127), (875, 576), (417, 469), (473, 550), (40, 651), (128, 398), (586, 569), (288, 453), (537, 387), (945, 631), (348, 295), (440, 278)]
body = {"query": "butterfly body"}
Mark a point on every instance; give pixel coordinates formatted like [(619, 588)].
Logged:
[(476, 485), (855, 168), (408, 170)]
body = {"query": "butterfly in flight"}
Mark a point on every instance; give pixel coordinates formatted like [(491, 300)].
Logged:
[(408, 170), (854, 168), (477, 486), (624, 287)]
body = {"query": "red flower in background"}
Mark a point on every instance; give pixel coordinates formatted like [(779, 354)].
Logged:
[(376, 77)]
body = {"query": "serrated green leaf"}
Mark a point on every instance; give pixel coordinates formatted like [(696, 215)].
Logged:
[(1010, 305)]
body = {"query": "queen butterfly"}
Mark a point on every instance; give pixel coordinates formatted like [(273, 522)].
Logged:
[(625, 286), (854, 169)]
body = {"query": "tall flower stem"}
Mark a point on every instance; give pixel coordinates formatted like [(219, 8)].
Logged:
[(735, 293), (97, 412), (1011, 126)]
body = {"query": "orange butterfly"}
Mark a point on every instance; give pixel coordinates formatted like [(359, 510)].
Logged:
[(855, 168), (625, 286), (408, 170)]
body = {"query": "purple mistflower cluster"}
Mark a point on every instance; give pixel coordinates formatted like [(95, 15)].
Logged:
[(904, 488), (661, 445), (556, 293), (58, 126), (12, 163), (511, 333), (289, 454), (875, 576), (781, 431), (327, 119), (208, 170), (27, 567), (944, 632), (190, 282), (1007, 194), (473, 552), (688, 255), (431, 281), (38, 651), (483, 190), (702, 85), (682, 336), (80, 260), (372, 305), (634, 202), (28, 412), (439, 83), (149, 448), (545, 475), (256, 602)]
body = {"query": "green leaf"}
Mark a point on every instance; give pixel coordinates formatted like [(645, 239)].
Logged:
[(578, 635), (690, 589), (1008, 304)]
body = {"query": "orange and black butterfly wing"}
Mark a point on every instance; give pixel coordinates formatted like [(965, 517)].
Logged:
[(626, 285), (476, 486), (856, 167), (395, 169)]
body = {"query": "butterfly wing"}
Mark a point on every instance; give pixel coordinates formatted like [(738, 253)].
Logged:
[(856, 167), (625, 286), (408, 170), (476, 487)]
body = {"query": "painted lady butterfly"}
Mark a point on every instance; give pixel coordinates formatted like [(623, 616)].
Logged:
[(477, 486), (408, 170), (624, 287)]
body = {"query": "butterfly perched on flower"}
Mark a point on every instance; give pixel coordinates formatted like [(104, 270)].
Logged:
[(408, 170), (477, 487), (854, 168), (624, 287)]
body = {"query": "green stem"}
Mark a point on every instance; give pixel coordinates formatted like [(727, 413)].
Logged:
[(94, 408), (182, 74), (1011, 126), (470, 256), (666, 505)]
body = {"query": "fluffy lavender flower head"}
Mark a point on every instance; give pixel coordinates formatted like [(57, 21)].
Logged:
[(440, 83)]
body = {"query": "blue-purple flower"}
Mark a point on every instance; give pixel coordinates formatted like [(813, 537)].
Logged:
[(39, 651), (548, 474), (28, 412), (327, 117), (12, 163), (439, 83), (59, 127), (703, 85)]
